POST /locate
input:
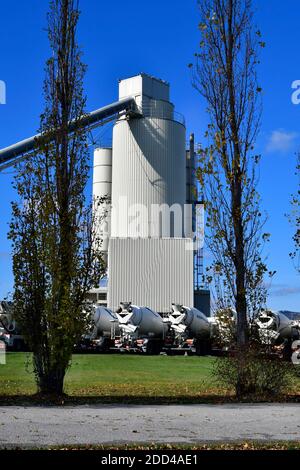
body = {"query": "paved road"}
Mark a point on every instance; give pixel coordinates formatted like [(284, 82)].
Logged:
[(41, 426)]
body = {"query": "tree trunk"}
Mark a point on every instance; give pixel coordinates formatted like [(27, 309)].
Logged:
[(236, 191), (52, 383), (241, 303), (226, 77)]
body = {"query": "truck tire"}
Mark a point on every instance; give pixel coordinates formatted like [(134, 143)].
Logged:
[(18, 345), (153, 348), (104, 345), (203, 347)]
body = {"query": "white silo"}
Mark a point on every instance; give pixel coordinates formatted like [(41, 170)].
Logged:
[(149, 265), (102, 185), (149, 163)]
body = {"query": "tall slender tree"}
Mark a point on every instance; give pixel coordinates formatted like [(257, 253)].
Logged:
[(225, 74), (56, 257)]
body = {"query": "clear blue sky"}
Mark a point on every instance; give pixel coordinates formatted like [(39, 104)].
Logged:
[(120, 39)]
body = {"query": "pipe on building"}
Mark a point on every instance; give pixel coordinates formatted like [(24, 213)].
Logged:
[(9, 155)]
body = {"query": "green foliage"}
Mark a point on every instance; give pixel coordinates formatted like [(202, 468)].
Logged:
[(225, 75), (254, 373), (55, 246), (224, 333)]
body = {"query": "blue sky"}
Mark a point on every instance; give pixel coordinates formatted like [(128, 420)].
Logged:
[(120, 39)]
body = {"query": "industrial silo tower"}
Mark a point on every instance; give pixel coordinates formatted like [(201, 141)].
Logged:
[(150, 251), (149, 178)]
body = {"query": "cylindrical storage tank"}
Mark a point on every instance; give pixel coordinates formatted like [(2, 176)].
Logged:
[(102, 185), (145, 322), (189, 202), (196, 322), (191, 188), (106, 322), (149, 175), (190, 321)]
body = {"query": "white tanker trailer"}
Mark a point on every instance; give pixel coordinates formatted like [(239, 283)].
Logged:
[(190, 323), (141, 327), (9, 330), (6, 317), (106, 328), (276, 328)]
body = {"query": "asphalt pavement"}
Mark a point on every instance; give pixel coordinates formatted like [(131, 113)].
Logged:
[(120, 424)]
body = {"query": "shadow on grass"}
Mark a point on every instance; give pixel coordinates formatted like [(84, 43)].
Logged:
[(71, 400)]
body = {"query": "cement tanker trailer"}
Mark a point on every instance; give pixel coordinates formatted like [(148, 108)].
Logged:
[(190, 323), (276, 328), (106, 328), (141, 328), (9, 330)]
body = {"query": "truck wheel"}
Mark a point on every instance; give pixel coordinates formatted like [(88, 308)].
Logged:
[(198, 346), (207, 348), (153, 348), (104, 345), (158, 347), (203, 348), (18, 345), (287, 350)]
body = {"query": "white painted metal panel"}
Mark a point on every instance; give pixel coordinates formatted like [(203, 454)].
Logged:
[(150, 272), (144, 85), (149, 265), (102, 182), (149, 169), (130, 87), (102, 176)]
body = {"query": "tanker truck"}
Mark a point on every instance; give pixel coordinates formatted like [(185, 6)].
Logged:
[(189, 323), (9, 330), (141, 328), (275, 328), (106, 328)]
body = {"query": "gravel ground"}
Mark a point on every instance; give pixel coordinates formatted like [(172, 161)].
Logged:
[(44, 426)]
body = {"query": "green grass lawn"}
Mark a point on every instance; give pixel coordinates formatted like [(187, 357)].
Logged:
[(118, 376), (125, 378)]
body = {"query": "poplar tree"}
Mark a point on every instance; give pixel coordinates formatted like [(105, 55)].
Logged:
[(56, 258), (225, 74)]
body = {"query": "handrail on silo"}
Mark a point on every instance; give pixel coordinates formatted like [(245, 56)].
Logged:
[(159, 113)]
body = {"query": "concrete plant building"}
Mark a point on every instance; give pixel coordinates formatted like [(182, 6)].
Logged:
[(149, 177)]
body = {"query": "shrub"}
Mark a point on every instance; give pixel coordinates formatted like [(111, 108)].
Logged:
[(253, 373)]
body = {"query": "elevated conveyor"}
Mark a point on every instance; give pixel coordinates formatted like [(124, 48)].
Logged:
[(16, 152)]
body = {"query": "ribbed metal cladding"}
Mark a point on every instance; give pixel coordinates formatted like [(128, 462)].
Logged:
[(150, 272), (102, 181), (149, 168)]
